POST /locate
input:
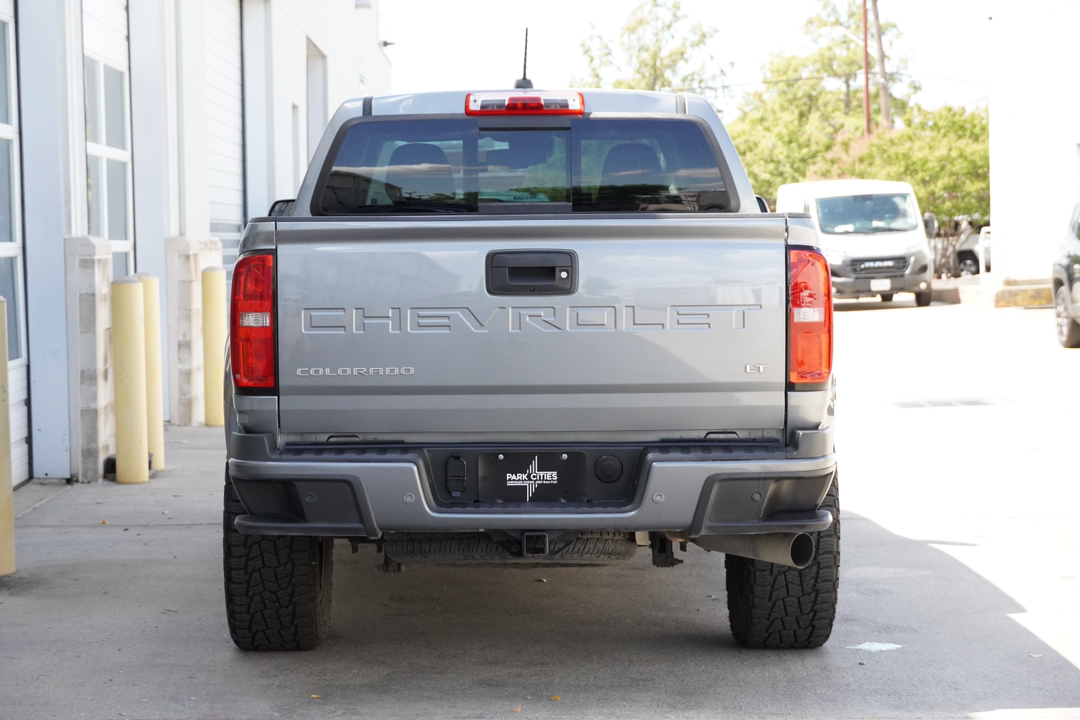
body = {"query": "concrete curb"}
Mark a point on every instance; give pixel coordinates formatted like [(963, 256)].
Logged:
[(999, 296), (950, 295), (947, 290), (987, 292)]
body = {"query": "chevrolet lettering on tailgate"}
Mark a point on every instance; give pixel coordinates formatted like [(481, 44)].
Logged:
[(336, 321)]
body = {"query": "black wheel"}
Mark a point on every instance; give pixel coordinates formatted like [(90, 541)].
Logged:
[(887, 297), (277, 588), (922, 299), (778, 607), (1068, 330), (968, 265)]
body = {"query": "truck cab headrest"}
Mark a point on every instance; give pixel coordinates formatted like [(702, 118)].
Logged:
[(419, 171), (631, 164)]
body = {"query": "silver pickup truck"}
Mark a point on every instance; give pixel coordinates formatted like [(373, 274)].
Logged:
[(530, 327)]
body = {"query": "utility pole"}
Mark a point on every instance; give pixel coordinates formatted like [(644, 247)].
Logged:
[(883, 86), (866, 73)]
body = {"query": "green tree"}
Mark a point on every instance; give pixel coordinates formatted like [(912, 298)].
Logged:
[(943, 153), (783, 129), (809, 110), (836, 32), (661, 50)]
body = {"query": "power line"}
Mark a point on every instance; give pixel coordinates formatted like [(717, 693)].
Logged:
[(779, 81)]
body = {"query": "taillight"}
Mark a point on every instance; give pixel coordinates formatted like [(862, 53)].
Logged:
[(810, 323), (251, 323), (517, 102)]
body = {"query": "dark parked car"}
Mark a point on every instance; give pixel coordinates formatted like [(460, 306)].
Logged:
[(1066, 279)]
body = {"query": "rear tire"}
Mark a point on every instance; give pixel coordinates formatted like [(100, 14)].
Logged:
[(922, 299), (277, 588), (778, 607), (968, 265)]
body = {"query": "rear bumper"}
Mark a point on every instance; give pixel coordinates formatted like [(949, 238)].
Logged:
[(693, 489)]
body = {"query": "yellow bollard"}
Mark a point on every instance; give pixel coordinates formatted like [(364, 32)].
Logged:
[(214, 332), (129, 372), (155, 410), (7, 499)]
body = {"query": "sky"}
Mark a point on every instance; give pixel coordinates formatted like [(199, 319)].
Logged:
[(477, 44)]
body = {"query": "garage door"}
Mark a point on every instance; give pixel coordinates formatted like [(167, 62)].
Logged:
[(225, 124)]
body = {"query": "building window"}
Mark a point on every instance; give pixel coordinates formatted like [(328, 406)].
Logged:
[(108, 160), (10, 233)]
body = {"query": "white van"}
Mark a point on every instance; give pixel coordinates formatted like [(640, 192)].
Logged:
[(872, 234)]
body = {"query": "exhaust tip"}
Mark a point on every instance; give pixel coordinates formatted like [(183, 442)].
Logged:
[(802, 550), (791, 549)]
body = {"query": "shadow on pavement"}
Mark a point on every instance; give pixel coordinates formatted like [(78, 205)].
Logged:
[(135, 620), (901, 301)]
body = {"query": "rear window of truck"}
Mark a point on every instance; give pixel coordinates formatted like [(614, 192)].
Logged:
[(455, 166)]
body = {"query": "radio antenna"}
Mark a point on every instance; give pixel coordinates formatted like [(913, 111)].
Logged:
[(524, 82)]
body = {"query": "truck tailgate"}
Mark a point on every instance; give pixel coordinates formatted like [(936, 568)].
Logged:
[(677, 328)]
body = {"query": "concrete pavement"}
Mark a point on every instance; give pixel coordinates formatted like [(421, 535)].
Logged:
[(958, 483)]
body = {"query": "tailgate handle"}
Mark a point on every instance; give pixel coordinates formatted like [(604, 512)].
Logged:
[(532, 272)]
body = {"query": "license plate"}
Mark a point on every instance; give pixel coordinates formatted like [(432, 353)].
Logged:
[(880, 285), (532, 477)]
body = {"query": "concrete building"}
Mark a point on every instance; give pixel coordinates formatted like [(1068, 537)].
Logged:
[(139, 136), (1034, 134)]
